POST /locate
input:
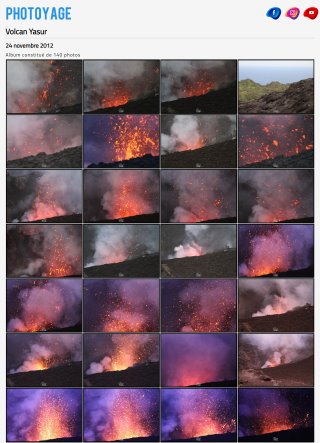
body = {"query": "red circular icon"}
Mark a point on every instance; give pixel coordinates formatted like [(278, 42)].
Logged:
[(311, 13)]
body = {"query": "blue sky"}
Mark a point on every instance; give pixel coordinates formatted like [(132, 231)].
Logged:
[(284, 71)]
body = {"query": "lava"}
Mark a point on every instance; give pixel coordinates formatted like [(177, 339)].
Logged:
[(200, 85), (121, 306), (125, 351), (273, 249), (264, 411), (189, 360), (191, 413), (198, 306), (268, 136), (58, 264), (45, 85), (118, 414)]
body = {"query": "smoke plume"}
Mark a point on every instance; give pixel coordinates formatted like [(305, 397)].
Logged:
[(31, 134), (187, 78), (120, 194), (189, 132), (109, 83), (272, 196), (195, 196), (115, 244)]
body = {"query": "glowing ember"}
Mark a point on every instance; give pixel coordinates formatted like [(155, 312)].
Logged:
[(188, 250), (200, 85), (285, 135), (122, 414), (195, 413), (58, 265)]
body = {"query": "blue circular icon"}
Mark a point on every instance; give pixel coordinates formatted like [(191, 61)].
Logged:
[(274, 13)]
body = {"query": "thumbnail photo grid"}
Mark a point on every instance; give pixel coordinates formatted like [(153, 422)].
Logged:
[(160, 251)]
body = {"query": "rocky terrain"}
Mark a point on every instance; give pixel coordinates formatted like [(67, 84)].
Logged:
[(69, 375), (220, 264), (291, 435), (147, 105), (67, 158), (303, 160), (144, 375), (210, 438), (220, 155), (143, 218), (298, 320), (72, 218), (250, 90), (145, 266), (147, 161), (298, 98), (220, 101)]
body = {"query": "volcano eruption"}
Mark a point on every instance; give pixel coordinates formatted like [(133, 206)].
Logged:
[(269, 141), (199, 415), (45, 196), (130, 360), (276, 305), (198, 196), (121, 415), (35, 360), (198, 141), (276, 360), (128, 305), (198, 251), (44, 251), (44, 141), (121, 86), (44, 415), (276, 250), (121, 251), (276, 415), (198, 305), (44, 305), (198, 360), (198, 86), (44, 86), (276, 196), (121, 196), (112, 141)]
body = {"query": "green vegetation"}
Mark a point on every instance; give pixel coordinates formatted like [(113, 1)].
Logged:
[(250, 90)]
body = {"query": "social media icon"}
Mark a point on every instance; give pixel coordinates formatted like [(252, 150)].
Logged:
[(293, 13), (311, 13), (274, 13)]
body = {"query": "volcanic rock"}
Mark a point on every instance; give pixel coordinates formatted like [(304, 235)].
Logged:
[(221, 101), (298, 98), (298, 320), (147, 105), (143, 218), (221, 264), (147, 161), (69, 375), (145, 266), (307, 272), (303, 160), (216, 384), (230, 436), (73, 218), (144, 375), (67, 158), (220, 155)]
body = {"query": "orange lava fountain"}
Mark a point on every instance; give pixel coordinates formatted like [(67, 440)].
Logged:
[(44, 205), (56, 258), (198, 86)]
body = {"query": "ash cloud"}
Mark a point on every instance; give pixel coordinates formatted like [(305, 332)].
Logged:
[(189, 132), (178, 76), (115, 244), (195, 359), (42, 85), (194, 196), (270, 297), (31, 134), (110, 83), (119, 194), (25, 352), (35, 195), (194, 240), (43, 304), (271, 196), (271, 249), (129, 305), (43, 250), (115, 352)]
